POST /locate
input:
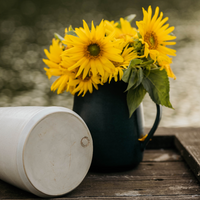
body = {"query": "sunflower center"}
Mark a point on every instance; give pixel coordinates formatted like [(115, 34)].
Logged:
[(151, 39), (94, 49), (117, 64), (86, 79)]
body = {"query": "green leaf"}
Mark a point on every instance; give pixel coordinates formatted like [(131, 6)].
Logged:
[(130, 18), (131, 75), (139, 77), (57, 36), (134, 98), (70, 28), (148, 62), (133, 79), (135, 62), (156, 83), (136, 78), (126, 74), (139, 35), (137, 45), (71, 33), (118, 25)]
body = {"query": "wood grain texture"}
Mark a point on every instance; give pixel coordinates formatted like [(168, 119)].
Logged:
[(165, 137), (169, 197), (162, 155), (172, 197), (163, 173), (163, 131), (148, 179), (154, 178), (189, 147)]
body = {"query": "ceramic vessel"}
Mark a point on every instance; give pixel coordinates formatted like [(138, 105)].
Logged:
[(115, 135), (44, 150)]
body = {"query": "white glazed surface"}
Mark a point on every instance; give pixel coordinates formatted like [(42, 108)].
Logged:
[(12, 122), (45, 151)]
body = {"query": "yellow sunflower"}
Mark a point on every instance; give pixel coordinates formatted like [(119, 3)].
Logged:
[(128, 54), (83, 85), (54, 56), (126, 32), (92, 51), (66, 31), (62, 83), (58, 67), (155, 35), (109, 26), (164, 61)]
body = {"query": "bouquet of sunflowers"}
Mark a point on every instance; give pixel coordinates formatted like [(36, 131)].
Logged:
[(85, 58)]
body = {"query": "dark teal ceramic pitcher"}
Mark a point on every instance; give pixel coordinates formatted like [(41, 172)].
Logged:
[(115, 135)]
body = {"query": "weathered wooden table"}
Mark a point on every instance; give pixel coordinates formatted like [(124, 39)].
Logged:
[(170, 170)]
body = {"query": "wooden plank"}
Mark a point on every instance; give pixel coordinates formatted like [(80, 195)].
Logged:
[(189, 147), (145, 169), (164, 137), (162, 174), (141, 197), (8, 191), (161, 155), (161, 142), (110, 188), (186, 140), (163, 131), (149, 178)]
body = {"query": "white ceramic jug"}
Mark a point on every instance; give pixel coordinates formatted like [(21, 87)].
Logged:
[(44, 150)]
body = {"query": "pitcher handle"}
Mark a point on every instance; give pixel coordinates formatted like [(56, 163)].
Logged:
[(155, 126)]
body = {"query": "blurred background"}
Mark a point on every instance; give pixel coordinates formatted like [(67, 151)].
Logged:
[(27, 28)]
